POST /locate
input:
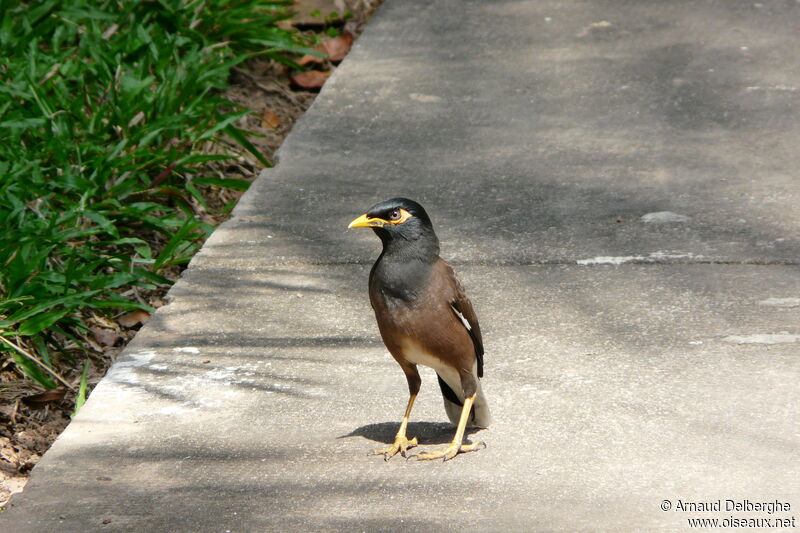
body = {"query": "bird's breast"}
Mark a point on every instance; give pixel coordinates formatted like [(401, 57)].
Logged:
[(414, 353), (404, 280)]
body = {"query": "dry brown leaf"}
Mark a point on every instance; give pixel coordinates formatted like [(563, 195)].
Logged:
[(308, 58), (312, 79), (104, 322), (269, 119), (338, 47), (134, 318), (39, 400), (106, 337), (9, 410)]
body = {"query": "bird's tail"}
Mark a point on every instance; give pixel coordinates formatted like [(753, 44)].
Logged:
[(453, 403)]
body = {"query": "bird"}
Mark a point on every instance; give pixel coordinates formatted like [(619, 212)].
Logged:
[(425, 318)]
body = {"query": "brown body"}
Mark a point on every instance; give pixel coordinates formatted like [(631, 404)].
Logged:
[(428, 331), (428, 321)]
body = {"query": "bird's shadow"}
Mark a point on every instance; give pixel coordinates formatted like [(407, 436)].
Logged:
[(426, 432)]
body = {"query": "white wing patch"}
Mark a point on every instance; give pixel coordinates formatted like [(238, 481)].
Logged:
[(463, 320)]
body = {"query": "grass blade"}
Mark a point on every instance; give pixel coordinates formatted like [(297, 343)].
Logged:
[(80, 399)]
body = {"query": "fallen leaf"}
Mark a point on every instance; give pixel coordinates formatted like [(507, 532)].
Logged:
[(338, 47), (269, 119), (134, 318), (136, 119), (104, 322), (110, 31), (9, 411), (39, 400), (94, 345), (312, 79), (308, 58), (106, 337)]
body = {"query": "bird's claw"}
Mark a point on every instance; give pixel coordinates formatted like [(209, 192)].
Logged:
[(401, 445), (450, 452)]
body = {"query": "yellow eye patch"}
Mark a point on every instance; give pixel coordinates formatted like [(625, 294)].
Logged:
[(365, 221), (404, 215)]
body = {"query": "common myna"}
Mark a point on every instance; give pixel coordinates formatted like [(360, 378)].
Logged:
[(425, 318)]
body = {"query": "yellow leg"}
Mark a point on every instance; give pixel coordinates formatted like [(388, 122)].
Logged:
[(455, 447), (401, 442)]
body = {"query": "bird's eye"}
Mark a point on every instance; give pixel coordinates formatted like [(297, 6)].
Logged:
[(394, 214)]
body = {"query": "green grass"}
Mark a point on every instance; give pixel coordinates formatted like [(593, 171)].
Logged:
[(107, 110)]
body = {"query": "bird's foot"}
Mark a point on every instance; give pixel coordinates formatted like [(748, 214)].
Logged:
[(401, 445), (451, 451)]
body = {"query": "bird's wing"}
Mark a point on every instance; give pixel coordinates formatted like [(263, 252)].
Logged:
[(462, 307)]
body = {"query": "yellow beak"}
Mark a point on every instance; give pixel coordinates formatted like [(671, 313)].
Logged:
[(366, 222)]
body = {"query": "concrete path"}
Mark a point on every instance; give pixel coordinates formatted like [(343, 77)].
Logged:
[(635, 359)]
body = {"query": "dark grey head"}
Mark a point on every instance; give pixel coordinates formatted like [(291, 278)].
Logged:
[(400, 223)]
